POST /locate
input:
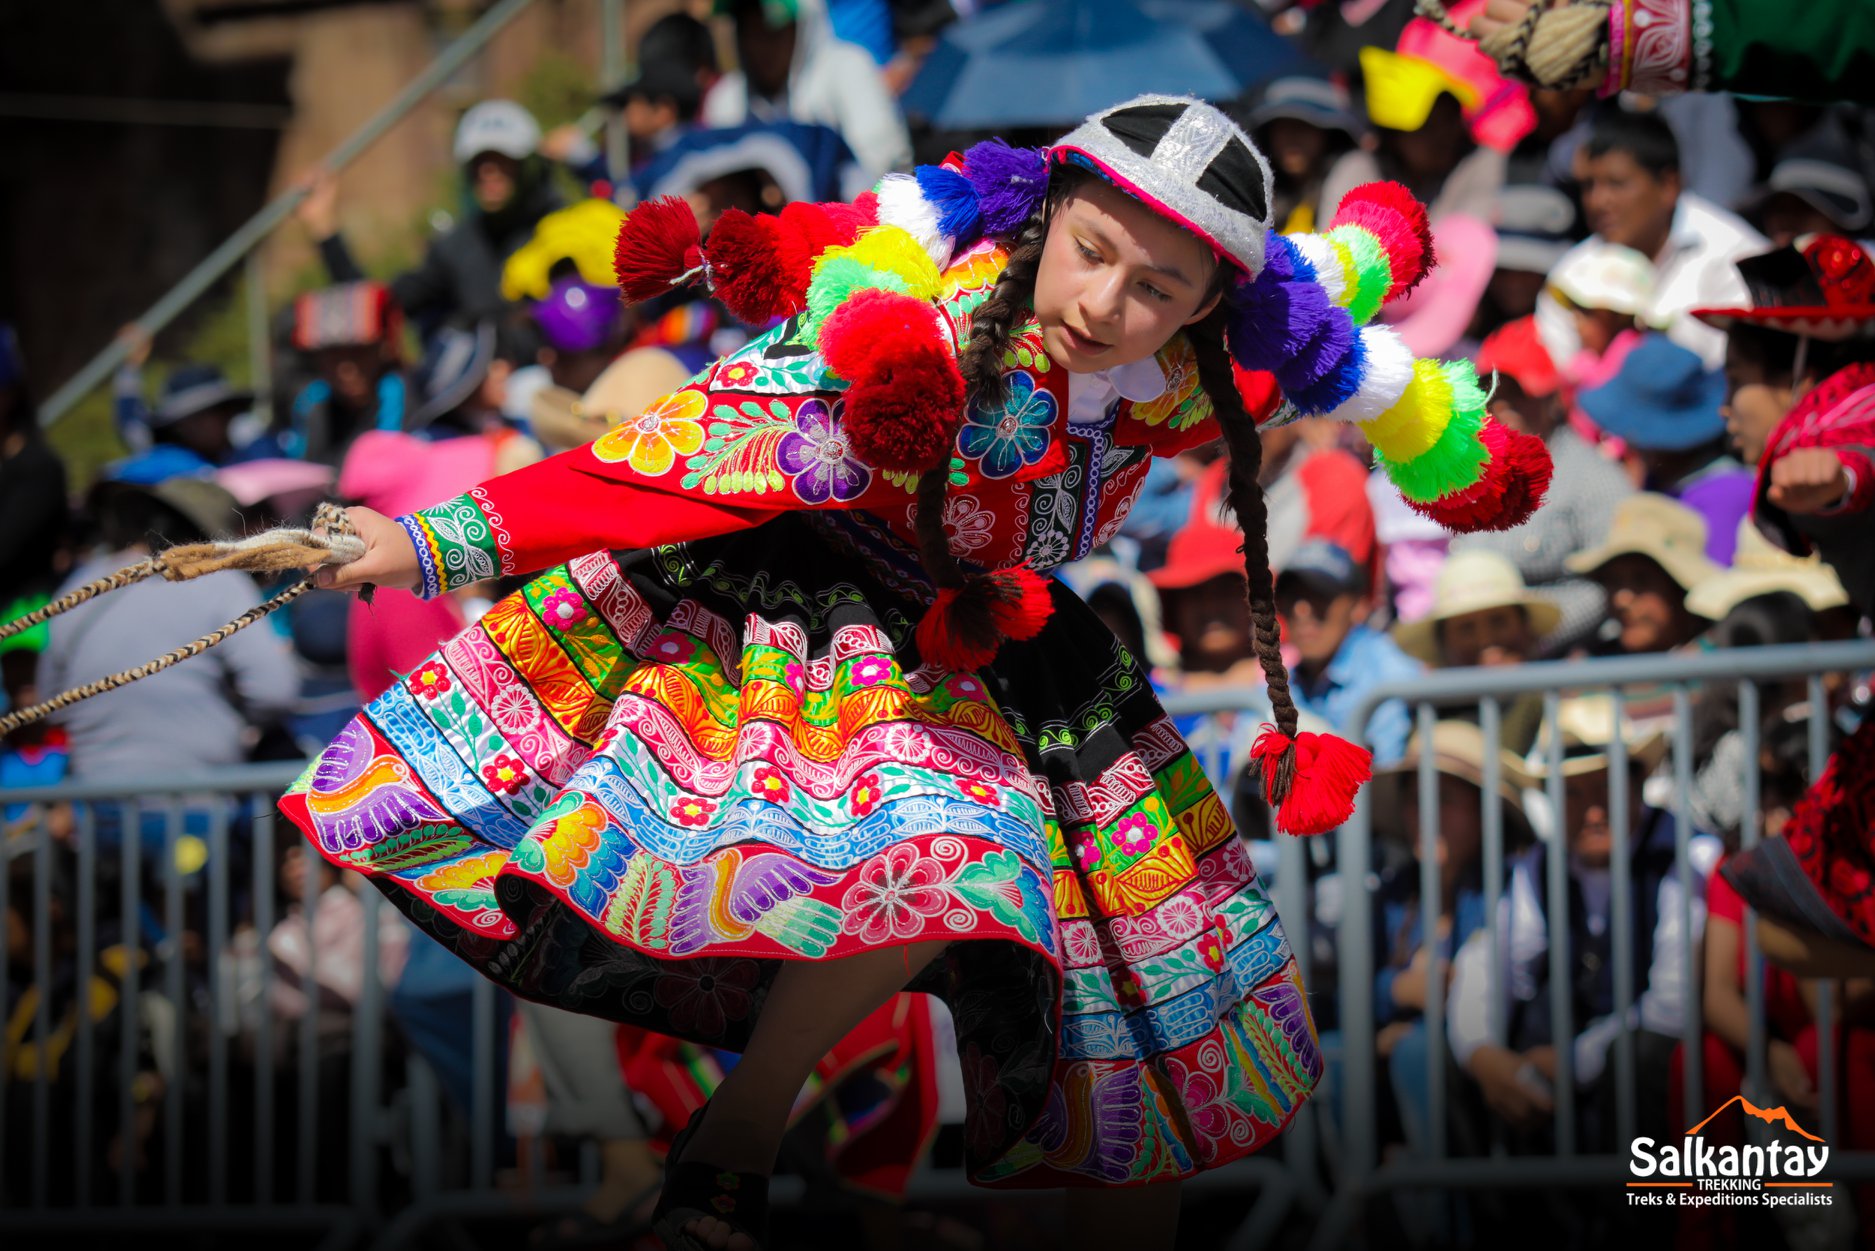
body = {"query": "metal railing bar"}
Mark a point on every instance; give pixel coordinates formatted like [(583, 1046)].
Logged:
[(86, 1103), (255, 777), (1826, 991), (1431, 911), (263, 1016), (1621, 939), (1692, 1023), (42, 1016), (1750, 828), (173, 974), (130, 843), (1562, 1015), (237, 245), (218, 1002)]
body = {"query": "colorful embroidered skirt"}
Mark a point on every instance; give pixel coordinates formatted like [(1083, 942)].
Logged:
[(639, 783)]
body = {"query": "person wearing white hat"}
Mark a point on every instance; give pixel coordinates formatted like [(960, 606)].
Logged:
[(508, 189), (1654, 556)]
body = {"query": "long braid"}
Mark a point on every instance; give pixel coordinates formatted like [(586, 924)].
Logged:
[(1245, 494), (992, 327)]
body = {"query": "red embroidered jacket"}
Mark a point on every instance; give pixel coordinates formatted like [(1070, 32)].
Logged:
[(760, 432)]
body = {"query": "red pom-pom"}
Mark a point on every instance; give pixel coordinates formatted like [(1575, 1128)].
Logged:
[(1312, 779), (807, 230), (870, 326), (1399, 220), (656, 246), (748, 270), (1507, 493), (866, 204), (965, 626), (901, 413)]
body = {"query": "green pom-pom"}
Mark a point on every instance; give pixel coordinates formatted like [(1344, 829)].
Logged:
[(835, 279), (1457, 460), (1373, 272)]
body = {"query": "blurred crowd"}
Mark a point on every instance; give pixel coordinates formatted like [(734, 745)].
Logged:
[(1576, 236)]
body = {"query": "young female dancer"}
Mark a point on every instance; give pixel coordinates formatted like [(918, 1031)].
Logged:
[(798, 725)]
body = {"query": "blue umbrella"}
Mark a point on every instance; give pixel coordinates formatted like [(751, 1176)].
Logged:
[(1053, 62)]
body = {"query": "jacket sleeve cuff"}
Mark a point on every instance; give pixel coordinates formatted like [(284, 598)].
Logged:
[(1655, 46), (456, 545)]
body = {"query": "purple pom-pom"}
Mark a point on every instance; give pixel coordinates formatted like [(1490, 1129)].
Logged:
[(1333, 340), (1335, 387), (1284, 262), (1009, 183), (954, 199), (1274, 321)]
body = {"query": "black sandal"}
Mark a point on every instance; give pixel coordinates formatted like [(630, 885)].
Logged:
[(582, 1229), (703, 1191)]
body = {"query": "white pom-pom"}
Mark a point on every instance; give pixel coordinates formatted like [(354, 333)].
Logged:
[(1386, 369), (1327, 265), (902, 204)]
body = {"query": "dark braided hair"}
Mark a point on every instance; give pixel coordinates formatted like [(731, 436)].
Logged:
[(1244, 448), (992, 327)]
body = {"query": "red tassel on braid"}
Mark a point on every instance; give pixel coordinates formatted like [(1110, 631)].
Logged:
[(657, 245), (965, 625), (1311, 780)]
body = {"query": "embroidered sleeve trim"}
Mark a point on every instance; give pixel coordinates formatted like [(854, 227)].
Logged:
[(455, 543), (1660, 45)]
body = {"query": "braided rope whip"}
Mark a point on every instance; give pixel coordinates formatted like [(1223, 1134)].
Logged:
[(331, 541), (1557, 46)]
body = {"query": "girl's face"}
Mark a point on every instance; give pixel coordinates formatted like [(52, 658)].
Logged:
[(1597, 327), (1755, 405), (1116, 280)]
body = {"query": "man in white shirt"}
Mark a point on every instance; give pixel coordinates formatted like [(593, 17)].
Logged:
[(1517, 1070), (793, 67), (1632, 195)]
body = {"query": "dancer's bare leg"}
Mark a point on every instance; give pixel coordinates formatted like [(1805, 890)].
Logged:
[(811, 1006), (1133, 1218)]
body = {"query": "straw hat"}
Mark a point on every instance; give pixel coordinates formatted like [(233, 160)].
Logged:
[(1668, 532), (1759, 568), (628, 386), (1597, 274), (1587, 723), (1472, 582), (1458, 749)]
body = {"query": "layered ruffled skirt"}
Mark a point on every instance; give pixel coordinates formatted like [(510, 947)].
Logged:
[(638, 784)]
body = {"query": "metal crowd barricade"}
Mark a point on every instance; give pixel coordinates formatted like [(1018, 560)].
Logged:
[(1484, 691), (224, 1148)]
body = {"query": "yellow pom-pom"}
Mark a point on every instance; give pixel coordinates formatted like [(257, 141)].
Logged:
[(1372, 270), (894, 251), (1417, 419)]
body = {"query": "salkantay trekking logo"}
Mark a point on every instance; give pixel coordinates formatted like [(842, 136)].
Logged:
[(1782, 1172)]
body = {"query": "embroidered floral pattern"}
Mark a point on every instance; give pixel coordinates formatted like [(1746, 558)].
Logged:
[(815, 454), (1004, 440), (896, 893), (564, 609), (865, 795), (870, 671), (980, 792), (1135, 834), (692, 810), (969, 524), (431, 680), (505, 775), (652, 442), (770, 784)]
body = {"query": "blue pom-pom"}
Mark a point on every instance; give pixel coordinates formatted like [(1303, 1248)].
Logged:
[(1334, 338), (952, 197), (1284, 262), (1335, 387), (1274, 321), (1009, 184)]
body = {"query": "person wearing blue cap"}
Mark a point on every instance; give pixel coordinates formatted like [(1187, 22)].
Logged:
[(1666, 405), (1322, 600), (200, 423)]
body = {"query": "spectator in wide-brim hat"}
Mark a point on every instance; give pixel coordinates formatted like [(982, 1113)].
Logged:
[(1585, 490), (1816, 187), (1666, 406), (197, 425), (1304, 122), (1761, 568), (1653, 557)]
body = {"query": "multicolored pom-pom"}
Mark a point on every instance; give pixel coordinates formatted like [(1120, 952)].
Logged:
[(1512, 487), (1398, 223)]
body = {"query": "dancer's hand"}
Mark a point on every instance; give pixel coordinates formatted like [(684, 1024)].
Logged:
[(389, 559)]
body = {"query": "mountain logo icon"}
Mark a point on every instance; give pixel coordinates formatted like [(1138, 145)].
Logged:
[(1770, 1116)]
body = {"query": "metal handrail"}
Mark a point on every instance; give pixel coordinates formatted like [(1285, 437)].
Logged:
[(236, 246)]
